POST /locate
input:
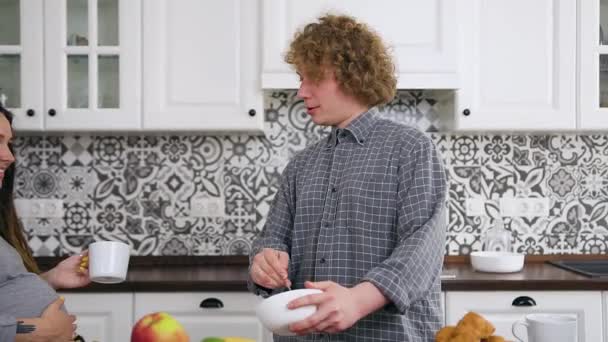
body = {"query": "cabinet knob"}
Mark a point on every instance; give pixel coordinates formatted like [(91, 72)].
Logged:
[(523, 301), (30, 112), (466, 112), (252, 112), (52, 112), (211, 303)]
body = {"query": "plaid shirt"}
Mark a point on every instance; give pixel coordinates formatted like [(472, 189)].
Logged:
[(366, 204)]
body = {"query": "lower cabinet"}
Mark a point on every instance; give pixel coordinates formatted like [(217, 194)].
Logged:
[(605, 302), (101, 317), (503, 308), (443, 308), (206, 314)]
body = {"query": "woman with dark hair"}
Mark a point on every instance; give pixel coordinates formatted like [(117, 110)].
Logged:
[(30, 309)]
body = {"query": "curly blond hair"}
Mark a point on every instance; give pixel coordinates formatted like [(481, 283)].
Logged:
[(362, 64)]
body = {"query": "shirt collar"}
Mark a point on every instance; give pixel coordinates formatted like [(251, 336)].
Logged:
[(359, 128)]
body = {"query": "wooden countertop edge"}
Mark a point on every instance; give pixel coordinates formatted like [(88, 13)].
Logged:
[(530, 259), (534, 277), (447, 285), (242, 260)]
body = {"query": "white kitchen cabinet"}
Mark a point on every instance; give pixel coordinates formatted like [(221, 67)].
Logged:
[(422, 33), (518, 65), (201, 65), (21, 61), (101, 316), (88, 76), (605, 315), (92, 64), (443, 308), (593, 90), (205, 314), (499, 309)]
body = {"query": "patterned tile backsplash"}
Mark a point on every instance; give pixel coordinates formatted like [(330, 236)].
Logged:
[(209, 195)]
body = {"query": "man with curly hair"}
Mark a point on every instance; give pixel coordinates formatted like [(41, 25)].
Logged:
[(359, 215)]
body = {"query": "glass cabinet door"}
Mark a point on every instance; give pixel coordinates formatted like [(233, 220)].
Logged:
[(92, 64), (603, 55), (21, 61), (593, 66), (10, 63)]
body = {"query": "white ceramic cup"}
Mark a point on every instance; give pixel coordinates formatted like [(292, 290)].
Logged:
[(108, 261), (276, 317), (548, 328)]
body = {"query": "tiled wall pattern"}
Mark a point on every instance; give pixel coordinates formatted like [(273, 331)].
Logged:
[(150, 190)]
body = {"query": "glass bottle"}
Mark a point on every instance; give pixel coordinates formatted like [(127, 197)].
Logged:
[(497, 238)]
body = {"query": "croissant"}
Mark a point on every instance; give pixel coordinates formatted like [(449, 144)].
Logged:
[(471, 328)]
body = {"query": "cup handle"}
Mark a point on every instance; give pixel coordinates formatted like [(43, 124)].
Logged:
[(515, 325)]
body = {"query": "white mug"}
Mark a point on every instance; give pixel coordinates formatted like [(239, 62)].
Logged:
[(548, 328), (108, 261)]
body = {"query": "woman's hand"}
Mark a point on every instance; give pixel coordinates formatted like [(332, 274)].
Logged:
[(54, 325), (70, 273)]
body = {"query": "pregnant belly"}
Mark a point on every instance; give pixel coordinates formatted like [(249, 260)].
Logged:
[(26, 296)]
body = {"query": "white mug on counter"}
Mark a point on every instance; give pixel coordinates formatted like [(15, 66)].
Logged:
[(548, 328), (108, 261)]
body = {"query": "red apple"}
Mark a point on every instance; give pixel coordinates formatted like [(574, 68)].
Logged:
[(158, 327)]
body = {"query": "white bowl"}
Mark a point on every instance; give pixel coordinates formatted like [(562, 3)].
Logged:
[(497, 262), (275, 315)]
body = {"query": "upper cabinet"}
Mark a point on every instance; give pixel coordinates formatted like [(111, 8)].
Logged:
[(518, 65), (201, 65), (92, 68), (422, 33), (21, 61), (593, 90), (76, 65), (89, 77)]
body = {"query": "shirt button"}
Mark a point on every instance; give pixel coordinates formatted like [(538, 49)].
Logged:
[(322, 260)]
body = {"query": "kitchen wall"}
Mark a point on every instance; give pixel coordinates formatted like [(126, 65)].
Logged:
[(149, 190)]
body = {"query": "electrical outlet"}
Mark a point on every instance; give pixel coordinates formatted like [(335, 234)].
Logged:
[(524, 206), (207, 207), (474, 206), (52, 208), (39, 208)]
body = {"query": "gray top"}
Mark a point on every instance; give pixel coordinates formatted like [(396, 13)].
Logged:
[(22, 294), (366, 204)]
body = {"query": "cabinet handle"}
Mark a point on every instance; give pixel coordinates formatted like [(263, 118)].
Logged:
[(252, 112), (523, 301), (466, 112), (52, 112), (211, 303), (30, 112)]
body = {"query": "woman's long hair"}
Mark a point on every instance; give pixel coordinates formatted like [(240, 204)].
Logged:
[(10, 227)]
